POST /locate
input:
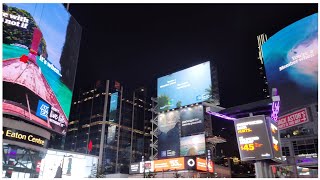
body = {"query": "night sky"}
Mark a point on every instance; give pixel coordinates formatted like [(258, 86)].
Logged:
[(137, 43)]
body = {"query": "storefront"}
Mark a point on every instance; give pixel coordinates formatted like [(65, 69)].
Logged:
[(24, 146)]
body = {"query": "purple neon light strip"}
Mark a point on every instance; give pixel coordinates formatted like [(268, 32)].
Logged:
[(221, 116)]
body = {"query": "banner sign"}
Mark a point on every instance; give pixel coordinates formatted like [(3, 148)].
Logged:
[(173, 164), (22, 136), (293, 119)]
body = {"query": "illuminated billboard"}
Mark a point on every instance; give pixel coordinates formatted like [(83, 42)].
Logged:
[(275, 139), (113, 107), (173, 164), (169, 136), (293, 119), (291, 62), (192, 119), (253, 138), (201, 165), (189, 86), (40, 54), (67, 165), (192, 145)]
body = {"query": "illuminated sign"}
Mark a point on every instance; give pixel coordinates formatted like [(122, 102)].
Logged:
[(113, 107), (185, 87), (275, 139), (22, 136), (293, 119), (291, 62), (202, 165), (43, 110), (169, 164), (253, 138), (134, 168), (192, 145), (275, 110)]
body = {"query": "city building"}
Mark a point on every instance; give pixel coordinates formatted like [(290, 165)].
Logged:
[(299, 141), (127, 125)]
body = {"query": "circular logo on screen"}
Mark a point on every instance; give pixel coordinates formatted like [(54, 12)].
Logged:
[(191, 162)]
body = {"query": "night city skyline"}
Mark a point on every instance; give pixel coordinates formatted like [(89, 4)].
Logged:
[(138, 43)]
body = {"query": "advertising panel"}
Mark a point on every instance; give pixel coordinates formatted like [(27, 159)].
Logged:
[(190, 163), (188, 86), (173, 164), (192, 120), (25, 137), (275, 139), (202, 165), (111, 134), (147, 166), (40, 54), (192, 145), (65, 164), (113, 107), (253, 138), (134, 168), (291, 62), (169, 136), (293, 119)]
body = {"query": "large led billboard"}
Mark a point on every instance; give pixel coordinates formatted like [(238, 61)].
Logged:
[(67, 165), (253, 138), (189, 86), (192, 145), (169, 136), (174, 125), (291, 62), (40, 54)]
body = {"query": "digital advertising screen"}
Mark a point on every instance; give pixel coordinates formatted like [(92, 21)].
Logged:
[(192, 145), (291, 62), (202, 165), (192, 120), (253, 138), (113, 107), (40, 54), (169, 134), (173, 164), (185, 87), (276, 143), (62, 164)]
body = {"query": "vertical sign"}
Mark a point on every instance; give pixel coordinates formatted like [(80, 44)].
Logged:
[(113, 107), (253, 138), (276, 147)]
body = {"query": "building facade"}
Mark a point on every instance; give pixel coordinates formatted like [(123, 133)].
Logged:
[(127, 125), (299, 142)]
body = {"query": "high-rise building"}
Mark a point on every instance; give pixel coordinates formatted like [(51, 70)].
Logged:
[(126, 116), (262, 38)]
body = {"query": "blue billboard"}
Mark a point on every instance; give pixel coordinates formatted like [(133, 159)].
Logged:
[(185, 87), (291, 63), (113, 107)]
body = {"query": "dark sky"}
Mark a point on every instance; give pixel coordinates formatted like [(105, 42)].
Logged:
[(137, 43)]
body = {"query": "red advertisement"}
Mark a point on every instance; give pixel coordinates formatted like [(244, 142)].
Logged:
[(293, 119)]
